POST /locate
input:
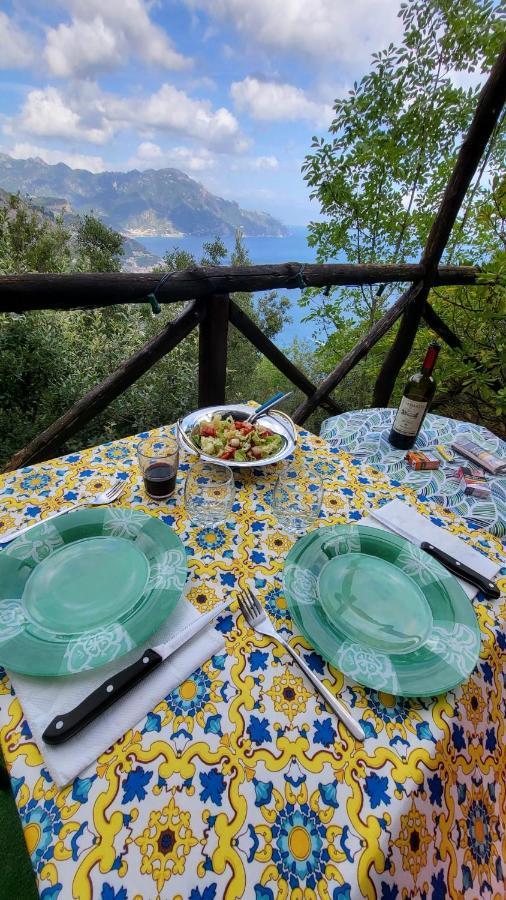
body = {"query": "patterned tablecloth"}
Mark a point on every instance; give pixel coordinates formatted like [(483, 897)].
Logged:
[(239, 783), (364, 433)]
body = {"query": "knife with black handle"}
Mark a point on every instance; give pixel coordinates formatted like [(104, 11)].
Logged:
[(66, 725), (488, 587), (481, 582)]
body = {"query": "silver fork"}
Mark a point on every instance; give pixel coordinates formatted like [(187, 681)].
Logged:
[(102, 499), (257, 619)]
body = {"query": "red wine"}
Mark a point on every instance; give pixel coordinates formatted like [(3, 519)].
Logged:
[(160, 480), (418, 393)]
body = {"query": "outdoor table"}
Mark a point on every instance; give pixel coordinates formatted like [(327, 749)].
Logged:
[(240, 783), (364, 433)]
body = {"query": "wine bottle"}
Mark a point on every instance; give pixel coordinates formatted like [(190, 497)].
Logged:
[(418, 393)]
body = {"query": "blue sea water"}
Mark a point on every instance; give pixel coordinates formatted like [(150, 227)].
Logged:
[(262, 251)]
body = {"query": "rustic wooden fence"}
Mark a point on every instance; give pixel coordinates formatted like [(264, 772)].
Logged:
[(211, 307)]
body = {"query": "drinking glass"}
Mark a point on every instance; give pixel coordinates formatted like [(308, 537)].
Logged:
[(158, 462), (209, 493), (297, 497)]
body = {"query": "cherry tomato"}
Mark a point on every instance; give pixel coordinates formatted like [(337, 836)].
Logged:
[(207, 431)]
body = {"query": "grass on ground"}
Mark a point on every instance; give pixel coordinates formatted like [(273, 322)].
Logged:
[(17, 881)]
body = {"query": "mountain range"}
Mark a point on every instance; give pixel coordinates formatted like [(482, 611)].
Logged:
[(138, 204)]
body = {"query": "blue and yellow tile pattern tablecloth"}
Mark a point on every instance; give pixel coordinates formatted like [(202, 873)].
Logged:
[(240, 783)]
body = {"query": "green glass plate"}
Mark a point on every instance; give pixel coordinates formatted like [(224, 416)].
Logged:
[(83, 589), (381, 610)]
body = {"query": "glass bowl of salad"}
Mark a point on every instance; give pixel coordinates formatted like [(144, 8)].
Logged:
[(221, 434)]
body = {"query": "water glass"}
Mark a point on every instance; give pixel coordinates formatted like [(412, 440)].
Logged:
[(209, 493), (297, 498), (158, 461)]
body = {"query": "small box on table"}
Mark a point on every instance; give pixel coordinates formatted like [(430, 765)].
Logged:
[(422, 461)]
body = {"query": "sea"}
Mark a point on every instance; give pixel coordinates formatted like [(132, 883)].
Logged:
[(262, 251)]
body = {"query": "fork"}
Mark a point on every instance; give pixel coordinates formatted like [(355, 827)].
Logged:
[(257, 619), (102, 499)]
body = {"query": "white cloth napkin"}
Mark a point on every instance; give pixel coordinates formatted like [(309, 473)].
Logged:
[(44, 698), (398, 515)]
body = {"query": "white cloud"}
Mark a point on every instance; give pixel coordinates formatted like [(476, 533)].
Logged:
[(274, 101), (327, 30), (254, 163), (74, 160), (89, 114), (264, 162), (82, 47), (15, 50), (170, 109), (466, 80), (46, 112), (152, 156), (103, 35)]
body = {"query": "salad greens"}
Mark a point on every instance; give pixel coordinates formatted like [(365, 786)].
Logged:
[(228, 438)]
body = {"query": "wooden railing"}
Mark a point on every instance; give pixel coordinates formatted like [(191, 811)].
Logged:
[(211, 308)]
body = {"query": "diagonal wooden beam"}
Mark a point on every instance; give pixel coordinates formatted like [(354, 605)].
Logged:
[(255, 336), (358, 352), (487, 113), (52, 438), (437, 324)]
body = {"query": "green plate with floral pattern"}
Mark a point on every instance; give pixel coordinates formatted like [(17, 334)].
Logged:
[(381, 610), (85, 588)]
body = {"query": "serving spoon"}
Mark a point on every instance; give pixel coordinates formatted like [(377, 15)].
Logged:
[(277, 398)]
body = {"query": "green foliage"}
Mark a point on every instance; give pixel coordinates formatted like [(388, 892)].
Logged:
[(215, 251), (29, 241), (98, 248), (379, 178), (34, 241), (49, 359)]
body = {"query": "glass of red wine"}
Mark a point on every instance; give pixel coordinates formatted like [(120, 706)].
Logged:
[(158, 461)]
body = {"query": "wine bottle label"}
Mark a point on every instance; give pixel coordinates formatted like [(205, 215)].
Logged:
[(409, 415)]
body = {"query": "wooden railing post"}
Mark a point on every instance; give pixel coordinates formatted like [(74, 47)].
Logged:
[(213, 341)]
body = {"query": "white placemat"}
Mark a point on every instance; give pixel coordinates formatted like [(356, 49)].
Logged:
[(396, 513), (44, 698)]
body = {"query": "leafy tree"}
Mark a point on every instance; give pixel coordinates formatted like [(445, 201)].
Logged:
[(380, 174), (214, 252), (48, 359), (30, 241), (98, 247)]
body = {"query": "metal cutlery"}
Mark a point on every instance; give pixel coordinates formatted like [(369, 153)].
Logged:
[(462, 571), (66, 725), (257, 619), (260, 410), (481, 582), (105, 497)]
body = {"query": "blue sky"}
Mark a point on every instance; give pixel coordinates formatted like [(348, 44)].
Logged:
[(229, 91)]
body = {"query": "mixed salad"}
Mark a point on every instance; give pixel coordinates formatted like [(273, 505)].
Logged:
[(231, 439)]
